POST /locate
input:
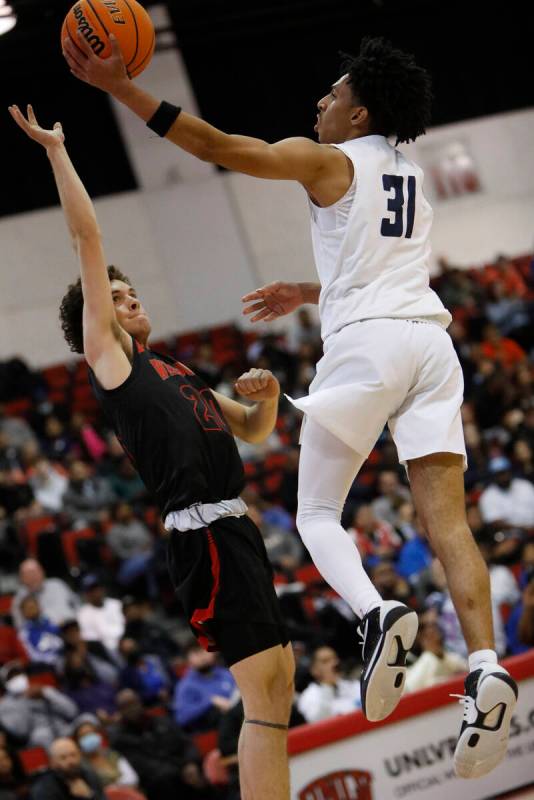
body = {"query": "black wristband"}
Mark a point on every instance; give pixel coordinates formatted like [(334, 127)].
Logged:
[(164, 118)]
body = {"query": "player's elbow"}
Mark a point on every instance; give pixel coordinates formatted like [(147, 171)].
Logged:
[(86, 232)]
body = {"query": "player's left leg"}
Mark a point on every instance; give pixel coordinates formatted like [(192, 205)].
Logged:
[(437, 484), (265, 681), (327, 470)]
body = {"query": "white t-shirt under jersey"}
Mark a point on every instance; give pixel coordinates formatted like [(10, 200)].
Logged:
[(372, 247)]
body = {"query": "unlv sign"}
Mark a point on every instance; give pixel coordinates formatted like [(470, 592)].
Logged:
[(344, 785)]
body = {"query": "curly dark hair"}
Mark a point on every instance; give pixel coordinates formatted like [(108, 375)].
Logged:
[(71, 310), (396, 92)]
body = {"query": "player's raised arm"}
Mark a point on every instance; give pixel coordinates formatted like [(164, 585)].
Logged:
[(99, 322), (298, 159)]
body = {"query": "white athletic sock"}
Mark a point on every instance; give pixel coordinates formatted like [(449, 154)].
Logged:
[(481, 657), (337, 558)]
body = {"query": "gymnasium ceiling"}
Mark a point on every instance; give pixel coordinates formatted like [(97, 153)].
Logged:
[(258, 68)]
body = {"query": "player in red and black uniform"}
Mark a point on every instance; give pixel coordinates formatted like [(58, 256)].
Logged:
[(180, 435)]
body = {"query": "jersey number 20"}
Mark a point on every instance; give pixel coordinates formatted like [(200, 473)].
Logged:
[(395, 226)]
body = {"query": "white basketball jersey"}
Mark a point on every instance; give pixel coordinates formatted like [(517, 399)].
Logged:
[(372, 247)]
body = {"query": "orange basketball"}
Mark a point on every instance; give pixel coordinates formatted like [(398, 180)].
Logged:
[(126, 19)]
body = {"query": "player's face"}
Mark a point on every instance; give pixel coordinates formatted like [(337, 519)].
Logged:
[(335, 114), (130, 314)]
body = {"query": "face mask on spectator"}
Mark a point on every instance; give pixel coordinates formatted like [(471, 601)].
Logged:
[(90, 742), (18, 684)]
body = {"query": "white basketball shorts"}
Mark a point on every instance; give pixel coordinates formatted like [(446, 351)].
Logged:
[(401, 372)]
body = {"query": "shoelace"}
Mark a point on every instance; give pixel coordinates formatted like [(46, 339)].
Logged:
[(468, 703)]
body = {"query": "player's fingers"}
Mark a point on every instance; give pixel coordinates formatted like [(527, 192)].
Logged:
[(116, 51), (85, 47), (31, 116), (257, 294), (69, 54), (261, 315), (271, 316), (254, 307), (19, 118)]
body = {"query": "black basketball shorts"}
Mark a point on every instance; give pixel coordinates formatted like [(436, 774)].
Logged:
[(224, 580)]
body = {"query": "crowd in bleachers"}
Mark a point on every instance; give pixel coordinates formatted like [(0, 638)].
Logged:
[(103, 693)]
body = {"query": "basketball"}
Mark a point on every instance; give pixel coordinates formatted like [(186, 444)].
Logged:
[(126, 19)]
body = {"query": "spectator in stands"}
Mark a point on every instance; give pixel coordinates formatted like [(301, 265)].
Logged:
[(415, 554), (100, 617), (389, 583), (504, 589), (305, 330), (111, 768), (150, 636), (16, 429), (56, 600), (85, 687), (372, 536), (15, 496), (391, 495), (439, 601), (500, 349), (40, 637), (131, 542), (49, 484), (158, 750), (289, 485), (524, 459), (526, 620), (126, 483), (435, 663), (283, 546), (57, 444), (144, 673), (68, 778), (505, 274), (93, 654), (33, 715), (87, 496), (88, 440), (329, 694), (507, 501), (13, 782), (205, 691), (520, 624)]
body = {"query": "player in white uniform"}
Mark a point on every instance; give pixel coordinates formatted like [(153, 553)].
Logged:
[(387, 356)]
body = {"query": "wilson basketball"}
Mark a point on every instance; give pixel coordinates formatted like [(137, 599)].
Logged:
[(126, 19)]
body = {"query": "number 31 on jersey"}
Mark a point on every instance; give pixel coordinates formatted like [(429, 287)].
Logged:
[(395, 226)]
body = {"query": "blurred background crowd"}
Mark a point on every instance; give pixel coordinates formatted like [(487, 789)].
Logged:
[(103, 692)]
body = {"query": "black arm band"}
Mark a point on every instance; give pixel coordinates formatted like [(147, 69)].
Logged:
[(164, 118)]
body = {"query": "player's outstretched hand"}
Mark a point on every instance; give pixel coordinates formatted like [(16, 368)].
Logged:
[(273, 301), (30, 126), (258, 385), (108, 74)]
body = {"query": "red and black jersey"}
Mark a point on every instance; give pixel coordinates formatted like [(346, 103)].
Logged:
[(174, 431)]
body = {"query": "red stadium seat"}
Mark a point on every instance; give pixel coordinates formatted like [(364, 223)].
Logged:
[(33, 760), (6, 601), (123, 793), (43, 679), (206, 741), (309, 574), (70, 539), (11, 648), (32, 530)]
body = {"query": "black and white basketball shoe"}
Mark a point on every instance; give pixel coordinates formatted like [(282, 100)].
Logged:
[(489, 702), (388, 632)]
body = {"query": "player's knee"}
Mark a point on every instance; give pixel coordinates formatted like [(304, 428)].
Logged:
[(313, 513)]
